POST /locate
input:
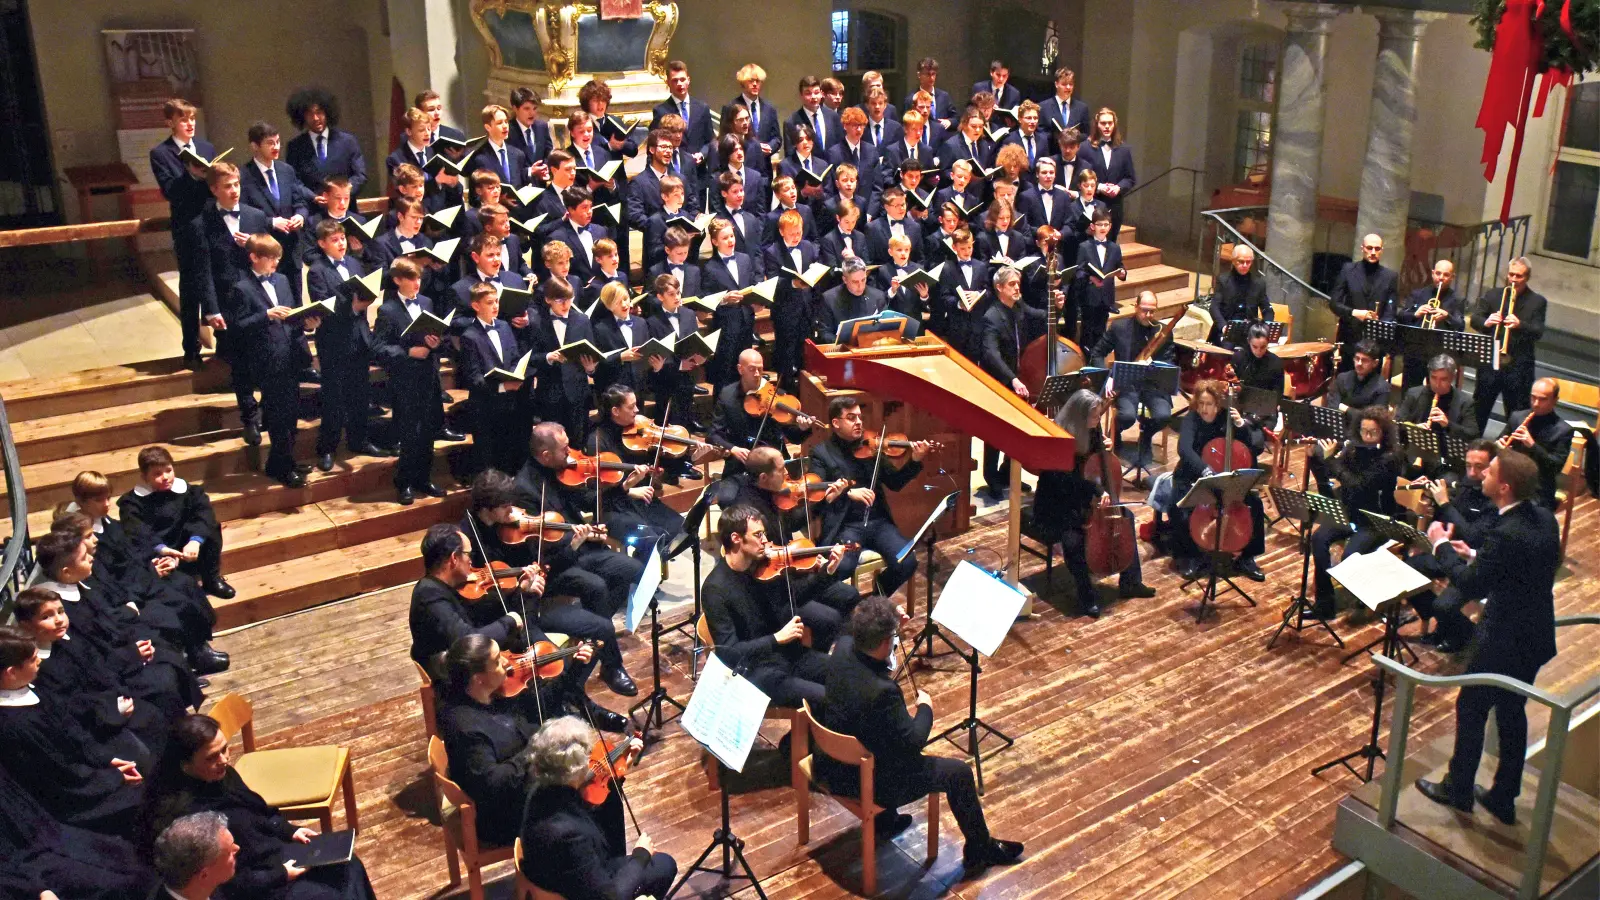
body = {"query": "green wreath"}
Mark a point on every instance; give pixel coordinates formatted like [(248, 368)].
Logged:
[(1577, 53)]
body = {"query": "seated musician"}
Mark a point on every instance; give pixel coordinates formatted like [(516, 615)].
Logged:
[(572, 847), (1419, 308), (165, 512), (1438, 405), (538, 487), (1464, 507), (1063, 501), (636, 514), (1541, 434), (862, 700), (861, 514), (79, 779), (1204, 423), (756, 629), (196, 776), (493, 506), (855, 298), (1238, 296), (1128, 337), (1255, 365), (1361, 386), (1366, 470), (737, 431), (1009, 326)]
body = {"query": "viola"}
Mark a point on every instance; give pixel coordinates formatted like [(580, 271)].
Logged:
[(483, 579), (894, 445), (782, 408), (645, 436), (582, 469), (811, 489), (543, 660), (608, 760), (801, 555), (551, 528)]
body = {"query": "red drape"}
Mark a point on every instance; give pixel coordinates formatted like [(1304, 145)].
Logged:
[(1509, 91)]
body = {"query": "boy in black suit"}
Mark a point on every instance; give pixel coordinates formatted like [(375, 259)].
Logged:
[(748, 228), (655, 227), (608, 270), (893, 221), (1098, 291), (413, 366), (272, 187), (432, 105), (486, 268), (734, 272), (999, 84), (336, 195), (562, 395), (322, 150), (344, 349), (792, 315), (764, 122), (224, 228), (675, 262), (254, 311), (499, 428), (696, 115), (496, 154), (578, 231), (184, 186), (529, 133), (961, 324), (823, 122), (673, 378)]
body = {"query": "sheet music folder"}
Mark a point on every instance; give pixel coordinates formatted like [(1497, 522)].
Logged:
[(1378, 578), (977, 607), (724, 713), (328, 849)]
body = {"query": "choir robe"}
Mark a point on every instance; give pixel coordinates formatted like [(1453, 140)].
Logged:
[(170, 518), (89, 684), (69, 772), (38, 853)]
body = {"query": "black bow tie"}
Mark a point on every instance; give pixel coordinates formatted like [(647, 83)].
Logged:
[(264, 279), (231, 213), (558, 318)]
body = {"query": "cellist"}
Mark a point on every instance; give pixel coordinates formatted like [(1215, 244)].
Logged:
[(1205, 423), (1063, 502)]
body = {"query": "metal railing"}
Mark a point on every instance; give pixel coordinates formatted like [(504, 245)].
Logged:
[(1561, 710), (1191, 222), (1282, 284), (17, 561), (1479, 252)]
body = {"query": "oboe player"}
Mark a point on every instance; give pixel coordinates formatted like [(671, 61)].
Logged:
[(1514, 317)]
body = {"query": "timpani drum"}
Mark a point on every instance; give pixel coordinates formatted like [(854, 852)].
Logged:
[(1308, 364), (1200, 361)]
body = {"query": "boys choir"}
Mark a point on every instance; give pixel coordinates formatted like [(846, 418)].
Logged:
[(507, 256)]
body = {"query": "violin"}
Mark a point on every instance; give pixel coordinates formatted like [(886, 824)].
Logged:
[(772, 403), (582, 469), (543, 660), (483, 579), (1111, 540), (894, 445), (644, 436), (811, 489), (551, 528), (1229, 529), (608, 761), (801, 555)]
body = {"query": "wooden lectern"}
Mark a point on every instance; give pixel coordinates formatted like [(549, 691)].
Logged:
[(947, 398)]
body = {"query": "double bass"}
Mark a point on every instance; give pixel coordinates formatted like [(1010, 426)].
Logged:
[(1054, 353), (1233, 521), (1111, 539)]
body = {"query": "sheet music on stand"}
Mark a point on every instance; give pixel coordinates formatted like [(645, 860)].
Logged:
[(1381, 332), (1259, 404), (1234, 332), (1305, 506), (1131, 379), (1057, 388), (725, 713), (1454, 447), (1421, 343), (1377, 578), (1395, 530), (942, 507), (1308, 420), (645, 590), (1223, 488), (1420, 439), (1470, 348), (977, 607)]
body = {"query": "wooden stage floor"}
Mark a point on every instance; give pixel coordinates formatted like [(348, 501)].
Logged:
[(1154, 757)]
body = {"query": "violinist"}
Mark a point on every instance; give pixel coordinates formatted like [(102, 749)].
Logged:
[(439, 614), (486, 734), (582, 849), (1419, 309), (1148, 406), (1438, 405), (1255, 364), (636, 512), (1541, 434), (861, 514), (500, 421), (1008, 326), (492, 507), (737, 431), (1467, 509), (1206, 422), (1063, 501), (1239, 295), (1366, 470), (755, 636), (673, 379)]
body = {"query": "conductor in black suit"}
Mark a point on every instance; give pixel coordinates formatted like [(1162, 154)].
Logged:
[(1364, 292), (861, 699), (1515, 570)]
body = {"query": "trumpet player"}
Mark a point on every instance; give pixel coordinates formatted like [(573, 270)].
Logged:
[(1514, 316), (1543, 435), (1437, 306)]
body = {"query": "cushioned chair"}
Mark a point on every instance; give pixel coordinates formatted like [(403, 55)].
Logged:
[(459, 816), (868, 565), (847, 750), (774, 713), (301, 782)]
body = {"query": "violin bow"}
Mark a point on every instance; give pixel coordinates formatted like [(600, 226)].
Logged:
[(472, 522), (611, 769), (661, 440), (755, 439), (805, 495), (877, 465)]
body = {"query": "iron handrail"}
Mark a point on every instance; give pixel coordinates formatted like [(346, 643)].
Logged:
[(1144, 184), (18, 557), (1216, 216)]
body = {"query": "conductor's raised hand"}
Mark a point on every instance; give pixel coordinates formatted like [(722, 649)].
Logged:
[(1439, 532)]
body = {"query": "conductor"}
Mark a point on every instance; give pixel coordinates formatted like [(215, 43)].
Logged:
[(1515, 570)]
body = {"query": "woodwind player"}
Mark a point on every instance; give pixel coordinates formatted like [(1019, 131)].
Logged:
[(1514, 315)]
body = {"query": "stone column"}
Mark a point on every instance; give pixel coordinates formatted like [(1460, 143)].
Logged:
[(1386, 175), (1297, 151)]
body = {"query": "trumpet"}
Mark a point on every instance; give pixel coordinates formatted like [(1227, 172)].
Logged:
[(1508, 307), (1433, 320)]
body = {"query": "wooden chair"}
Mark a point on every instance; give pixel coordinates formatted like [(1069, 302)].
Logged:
[(847, 750), (1571, 487), (430, 714), (459, 816), (300, 782), (525, 889), (868, 565), (702, 628)]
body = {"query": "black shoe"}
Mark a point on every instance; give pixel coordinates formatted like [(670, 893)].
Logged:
[(1506, 812), (310, 376), (606, 720), (1440, 792), (1318, 612), (1450, 645), (1141, 591), (431, 489), (291, 479), (325, 462), (446, 434), (252, 431), (993, 853), (406, 496), (1090, 609), (192, 362), (702, 390), (1190, 569), (1027, 488), (1250, 570), (888, 824), (302, 468), (617, 679), (202, 682), (207, 661), (220, 589), (371, 449), (695, 426)]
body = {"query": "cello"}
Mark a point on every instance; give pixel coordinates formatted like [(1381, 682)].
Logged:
[(1110, 538), (1054, 353), (1229, 529)]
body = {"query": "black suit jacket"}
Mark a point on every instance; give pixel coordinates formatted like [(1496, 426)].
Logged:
[(769, 126), (344, 158), (542, 143), (186, 195), (225, 259), (1120, 172), (577, 857), (1455, 320), (345, 336), (1105, 295), (1006, 332), (477, 357), (1515, 570), (293, 198), (893, 132), (1418, 403), (961, 328), (406, 373), (1077, 116), (831, 248), (1552, 443), (955, 147), (808, 228), (484, 157), (1007, 98), (688, 283), (566, 232), (867, 159), (839, 305), (561, 385), (833, 129), (1356, 289), (943, 106), (1529, 308), (1239, 298), (269, 344), (862, 700), (881, 229), (700, 131), (1030, 203)]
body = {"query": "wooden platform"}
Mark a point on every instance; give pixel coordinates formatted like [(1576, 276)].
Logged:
[(1154, 757)]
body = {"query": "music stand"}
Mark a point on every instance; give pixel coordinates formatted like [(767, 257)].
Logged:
[(1420, 441), (1380, 332), (979, 607), (689, 540), (1308, 509), (1221, 489), (1419, 343), (930, 629), (1330, 422), (1258, 403), (1057, 388), (1394, 530), (1469, 347), (1132, 379), (881, 328), (1235, 332), (654, 702)]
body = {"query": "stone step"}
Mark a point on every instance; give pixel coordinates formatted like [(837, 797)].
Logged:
[(279, 588), (1135, 255), (288, 534), (1158, 278), (87, 432), (91, 389)]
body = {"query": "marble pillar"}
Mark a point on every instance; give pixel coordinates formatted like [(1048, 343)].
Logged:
[(1297, 153), (1386, 174)]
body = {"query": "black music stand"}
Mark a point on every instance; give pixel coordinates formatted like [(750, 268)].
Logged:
[(1309, 510), (1380, 332), (1235, 332), (1420, 442), (1057, 388), (1221, 489), (930, 629), (1469, 347), (689, 540), (975, 728), (1132, 380), (1396, 531)]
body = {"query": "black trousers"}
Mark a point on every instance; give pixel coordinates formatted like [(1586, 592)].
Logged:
[(579, 624), (643, 524), (799, 678), (1511, 721), (192, 276), (1093, 323), (1444, 608), (824, 605), (1073, 553), (1156, 412), (996, 470), (791, 325), (937, 774), (280, 409), (418, 416), (1513, 382), (884, 538), (345, 396), (501, 430), (590, 581), (1323, 537)]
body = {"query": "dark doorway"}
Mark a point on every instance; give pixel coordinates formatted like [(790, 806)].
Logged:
[(28, 194)]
